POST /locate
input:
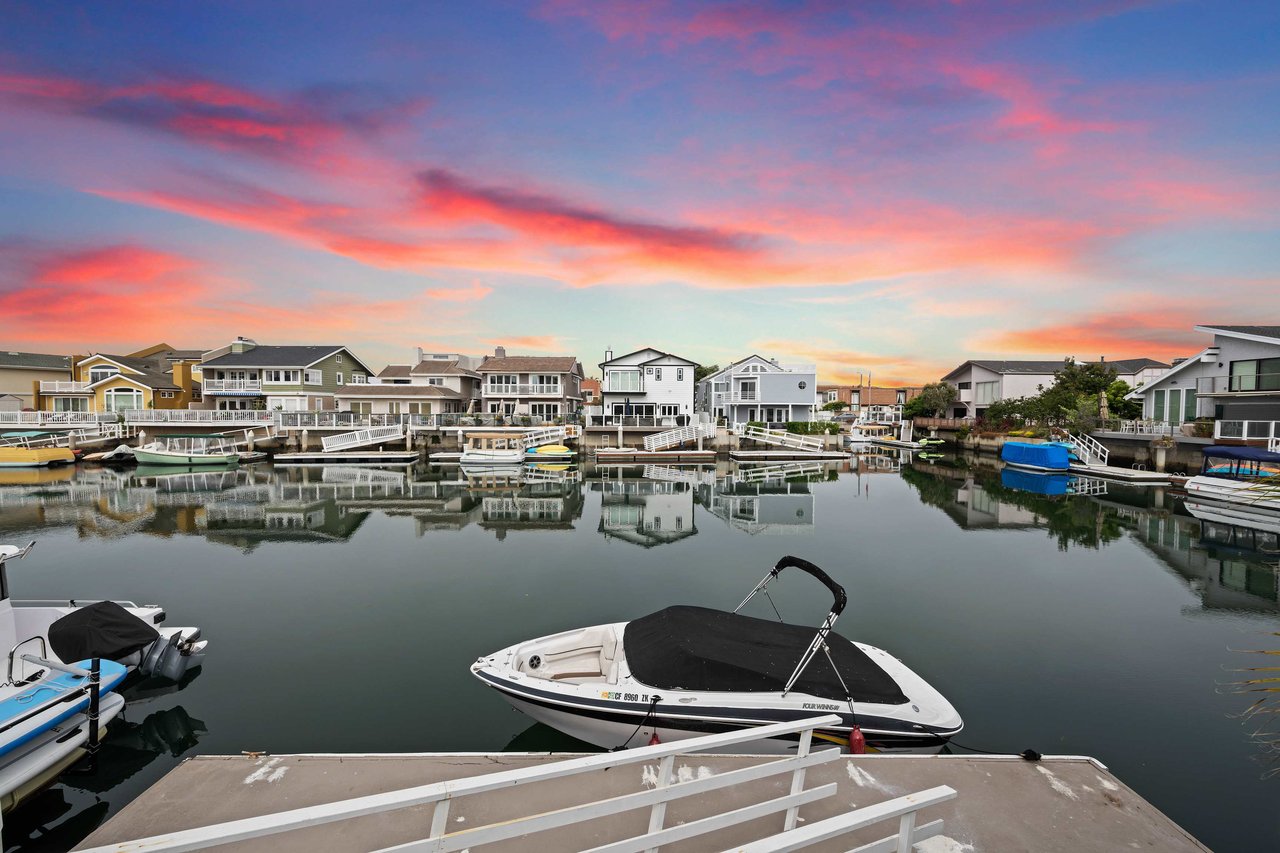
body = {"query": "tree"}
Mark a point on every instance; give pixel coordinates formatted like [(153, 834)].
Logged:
[(934, 399), (702, 371), (1118, 406), (836, 406)]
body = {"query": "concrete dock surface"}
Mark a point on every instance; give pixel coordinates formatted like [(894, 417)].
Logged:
[(1004, 803)]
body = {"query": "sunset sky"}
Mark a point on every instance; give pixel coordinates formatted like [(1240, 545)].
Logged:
[(872, 186)]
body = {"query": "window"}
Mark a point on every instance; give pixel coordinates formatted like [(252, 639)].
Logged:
[(964, 386), (280, 377), (1260, 374), (99, 373), (803, 385), (120, 399), (313, 377), (70, 404), (679, 374), (649, 370), (393, 408), (833, 396), (986, 392), (545, 410), (1189, 401), (1158, 413), (435, 380), (359, 379), (166, 395), (657, 374), (669, 410), (622, 380), (338, 378), (419, 408), (720, 387), (902, 398), (338, 358)]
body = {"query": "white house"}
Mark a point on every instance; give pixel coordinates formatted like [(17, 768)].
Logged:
[(759, 389), (434, 383), (1235, 380), (980, 383), (652, 386)]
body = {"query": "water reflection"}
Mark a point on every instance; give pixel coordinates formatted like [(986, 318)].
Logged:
[(769, 499), (643, 511)]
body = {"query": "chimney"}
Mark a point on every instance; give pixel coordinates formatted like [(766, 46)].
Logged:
[(418, 355), (1102, 359), (499, 352), (1177, 361), (608, 355), (242, 344), (182, 375)]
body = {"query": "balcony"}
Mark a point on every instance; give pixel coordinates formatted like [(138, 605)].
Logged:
[(1257, 383), (232, 386), (64, 387), (1259, 431), (523, 390)]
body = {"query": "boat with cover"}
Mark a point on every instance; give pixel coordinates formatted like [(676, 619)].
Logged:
[(50, 707), (1043, 457), (493, 448), (1246, 476), (33, 449), (686, 671), (195, 449)]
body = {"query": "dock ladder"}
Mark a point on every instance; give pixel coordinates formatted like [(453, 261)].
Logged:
[(668, 785), (1089, 449), (782, 438), (678, 436), (362, 438)]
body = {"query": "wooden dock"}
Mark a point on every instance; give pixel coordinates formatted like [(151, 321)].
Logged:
[(625, 454), (348, 457), (1134, 476), (1056, 805), (782, 454)]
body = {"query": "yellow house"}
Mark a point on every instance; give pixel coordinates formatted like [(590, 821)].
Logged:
[(158, 377)]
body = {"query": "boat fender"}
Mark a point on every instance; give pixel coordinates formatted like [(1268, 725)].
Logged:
[(1030, 755), (857, 741), (654, 741)]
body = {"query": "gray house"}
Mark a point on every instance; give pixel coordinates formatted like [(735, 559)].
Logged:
[(245, 375), (1235, 380), (759, 389)]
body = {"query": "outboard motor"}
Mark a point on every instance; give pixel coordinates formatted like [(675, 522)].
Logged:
[(107, 630)]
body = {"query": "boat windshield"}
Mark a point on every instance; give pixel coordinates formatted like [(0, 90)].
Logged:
[(1240, 463)]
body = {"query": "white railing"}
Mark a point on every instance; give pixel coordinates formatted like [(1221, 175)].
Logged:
[(86, 435), (362, 437), (55, 418), (781, 438), (56, 387), (234, 385), (698, 476), (1255, 430), (521, 389), (547, 435), (785, 471), (445, 835), (751, 397), (1146, 426), (1254, 383), (676, 437), (196, 416), (1274, 445), (1090, 450)]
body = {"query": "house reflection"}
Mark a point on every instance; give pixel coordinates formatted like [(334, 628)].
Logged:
[(644, 511), (772, 499)]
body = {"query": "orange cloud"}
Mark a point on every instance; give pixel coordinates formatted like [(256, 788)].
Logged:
[(841, 366), (1163, 335), (538, 343), (472, 293)]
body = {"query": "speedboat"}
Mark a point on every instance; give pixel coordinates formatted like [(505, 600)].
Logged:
[(687, 671), (49, 700), (188, 450), (1245, 476)]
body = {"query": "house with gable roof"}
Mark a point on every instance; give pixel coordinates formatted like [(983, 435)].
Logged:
[(246, 375), (759, 389), (435, 383), (647, 387)]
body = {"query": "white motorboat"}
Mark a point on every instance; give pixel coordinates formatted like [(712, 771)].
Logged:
[(493, 448), (687, 671), (188, 450), (1244, 476), (51, 704)]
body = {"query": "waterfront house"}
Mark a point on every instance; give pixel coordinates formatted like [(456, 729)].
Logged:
[(157, 377), (433, 383), (979, 383), (543, 387), (1235, 380), (21, 373), (246, 375), (654, 387), (759, 389), (869, 403), (590, 392)]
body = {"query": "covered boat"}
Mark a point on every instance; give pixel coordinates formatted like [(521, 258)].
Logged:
[(685, 671), (33, 449), (1035, 482), (1247, 476), (196, 449), (1054, 456), (493, 448)]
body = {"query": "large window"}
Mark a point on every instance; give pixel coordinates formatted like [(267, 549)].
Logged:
[(1258, 374), (544, 410), (280, 377), (99, 373), (121, 399), (1157, 412), (70, 404), (622, 380), (986, 392), (314, 377), (1189, 404)]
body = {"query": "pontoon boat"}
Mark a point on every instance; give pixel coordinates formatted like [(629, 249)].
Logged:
[(686, 671), (1248, 476)]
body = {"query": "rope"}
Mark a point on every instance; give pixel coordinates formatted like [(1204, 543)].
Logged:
[(647, 714)]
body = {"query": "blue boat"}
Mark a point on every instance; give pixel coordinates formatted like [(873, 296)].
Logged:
[(1055, 456), (1035, 482)]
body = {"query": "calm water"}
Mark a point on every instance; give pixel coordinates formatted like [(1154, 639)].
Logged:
[(344, 606)]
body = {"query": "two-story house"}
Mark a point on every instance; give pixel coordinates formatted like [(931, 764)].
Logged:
[(246, 375), (1235, 380), (759, 389), (981, 383), (434, 383), (535, 385), (158, 377), (21, 374), (653, 387), (869, 403)]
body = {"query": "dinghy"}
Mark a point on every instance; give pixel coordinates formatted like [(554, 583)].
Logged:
[(188, 450), (687, 671)]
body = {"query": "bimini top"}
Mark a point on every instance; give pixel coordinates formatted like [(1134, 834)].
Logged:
[(1240, 454), (697, 648)]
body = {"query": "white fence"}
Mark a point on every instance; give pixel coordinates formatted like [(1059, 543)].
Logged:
[(676, 437), (445, 835), (362, 437), (781, 438)]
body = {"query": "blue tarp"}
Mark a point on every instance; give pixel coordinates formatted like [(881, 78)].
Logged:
[(1030, 481), (1051, 457)]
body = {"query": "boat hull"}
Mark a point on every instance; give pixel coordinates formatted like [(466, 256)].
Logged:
[(165, 457), (1038, 469), (35, 457), (492, 457), (1257, 495)]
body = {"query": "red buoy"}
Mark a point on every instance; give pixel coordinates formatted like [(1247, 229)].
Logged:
[(857, 741), (653, 741)]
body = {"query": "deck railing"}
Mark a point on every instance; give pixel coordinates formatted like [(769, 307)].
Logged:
[(55, 418), (232, 385), (1253, 383), (197, 416), (59, 387), (445, 835)]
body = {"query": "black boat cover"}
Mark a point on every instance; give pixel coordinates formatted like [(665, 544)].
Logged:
[(1240, 454), (697, 648), (102, 630)]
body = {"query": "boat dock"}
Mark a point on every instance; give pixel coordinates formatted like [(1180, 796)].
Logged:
[(787, 455), (627, 454), (1133, 476), (947, 803), (349, 457)]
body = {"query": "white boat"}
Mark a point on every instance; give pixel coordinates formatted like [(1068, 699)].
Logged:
[(689, 671), (493, 448), (1244, 476), (48, 701), (188, 450)]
